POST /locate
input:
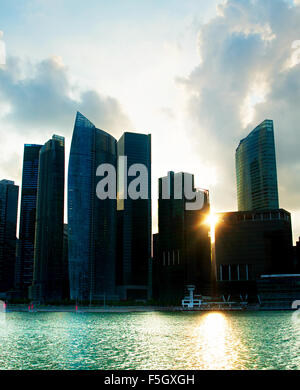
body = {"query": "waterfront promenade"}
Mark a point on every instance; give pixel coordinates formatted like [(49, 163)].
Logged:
[(123, 309)]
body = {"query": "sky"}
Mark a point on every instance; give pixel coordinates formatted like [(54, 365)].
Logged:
[(196, 74)]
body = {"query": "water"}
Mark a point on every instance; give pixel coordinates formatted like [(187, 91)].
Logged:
[(157, 340)]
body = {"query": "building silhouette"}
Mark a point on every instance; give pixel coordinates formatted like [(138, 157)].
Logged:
[(134, 220), (182, 248), (250, 244), (9, 193), (297, 256), (65, 276), (24, 266), (48, 252), (256, 172), (278, 291), (91, 221)]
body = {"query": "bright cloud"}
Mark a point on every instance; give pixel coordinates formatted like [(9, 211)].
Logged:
[(243, 79)]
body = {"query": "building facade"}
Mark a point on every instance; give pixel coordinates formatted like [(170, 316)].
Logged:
[(9, 194), (297, 256), (24, 266), (91, 221), (66, 282), (182, 248), (134, 219), (256, 171), (279, 292), (48, 253), (250, 244)]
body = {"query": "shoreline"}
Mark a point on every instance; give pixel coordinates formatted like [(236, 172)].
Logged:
[(131, 309)]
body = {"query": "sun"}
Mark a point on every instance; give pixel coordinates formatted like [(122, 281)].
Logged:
[(212, 220)]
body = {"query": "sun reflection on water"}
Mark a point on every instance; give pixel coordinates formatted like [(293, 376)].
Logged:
[(217, 345)]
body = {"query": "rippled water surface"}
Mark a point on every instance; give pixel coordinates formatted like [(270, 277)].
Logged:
[(242, 340)]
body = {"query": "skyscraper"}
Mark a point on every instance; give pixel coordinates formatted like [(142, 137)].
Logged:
[(9, 193), (91, 221), (182, 247), (134, 219), (24, 267), (256, 171), (48, 253)]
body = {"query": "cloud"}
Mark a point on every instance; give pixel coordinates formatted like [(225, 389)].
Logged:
[(282, 105), (42, 96), (243, 77), (41, 99), (167, 112)]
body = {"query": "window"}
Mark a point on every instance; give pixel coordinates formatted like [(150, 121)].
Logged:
[(225, 272), (234, 272)]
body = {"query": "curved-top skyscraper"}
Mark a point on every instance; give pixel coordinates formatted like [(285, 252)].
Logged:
[(92, 222), (256, 171)]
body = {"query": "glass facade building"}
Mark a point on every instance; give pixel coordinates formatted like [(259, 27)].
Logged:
[(9, 194), (24, 267), (91, 221), (48, 253), (182, 248), (256, 171), (134, 220)]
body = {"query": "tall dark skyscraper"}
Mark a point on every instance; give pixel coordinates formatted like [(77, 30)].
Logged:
[(182, 246), (91, 221), (9, 194), (48, 254), (134, 220), (256, 171), (24, 267)]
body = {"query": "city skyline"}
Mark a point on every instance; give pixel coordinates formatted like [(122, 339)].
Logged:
[(167, 83), (106, 246), (149, 189), (82, 121)]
